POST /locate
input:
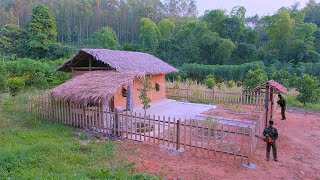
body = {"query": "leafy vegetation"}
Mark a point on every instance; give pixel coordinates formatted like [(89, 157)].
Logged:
[(36, 149)]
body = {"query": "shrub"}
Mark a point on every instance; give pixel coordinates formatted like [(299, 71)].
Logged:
[(309, 89), (209, 81), (3, 83), (230, 84), (15, 85), (220, 85)]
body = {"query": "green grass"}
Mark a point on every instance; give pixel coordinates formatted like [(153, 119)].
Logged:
[(36, 149)]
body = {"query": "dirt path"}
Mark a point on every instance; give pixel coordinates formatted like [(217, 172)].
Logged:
[(298, 152)]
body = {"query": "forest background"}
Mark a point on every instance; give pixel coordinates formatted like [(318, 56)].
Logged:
[(38, 35)]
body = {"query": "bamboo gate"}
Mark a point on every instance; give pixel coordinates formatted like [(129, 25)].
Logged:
[(232, 137)]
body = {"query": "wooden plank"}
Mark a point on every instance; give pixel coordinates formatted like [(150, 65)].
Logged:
[(236, 140), (131, 131), (114, 122)]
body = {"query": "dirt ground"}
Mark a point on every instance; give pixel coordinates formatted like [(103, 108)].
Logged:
[(298, 154)]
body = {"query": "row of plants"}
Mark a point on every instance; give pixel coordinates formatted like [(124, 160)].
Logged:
[(17, 75)]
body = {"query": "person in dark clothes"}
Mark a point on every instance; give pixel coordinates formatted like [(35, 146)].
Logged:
[(271, 135), (282, 103)]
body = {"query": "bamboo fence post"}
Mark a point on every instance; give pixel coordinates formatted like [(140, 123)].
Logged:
[(178, 135), (114, 122), (140, 125), (190, 135), (149, 130), (174, 132), (236, 135), (185, 133), (164, 130), (209, 138), (221, 145), (197, 129), (158, 129), (228, 141), (154, 128), (135, 120), (127, 131), (250, 146), (242, 142), (202, 143), (168, 131), (215, 139), (131, 124)]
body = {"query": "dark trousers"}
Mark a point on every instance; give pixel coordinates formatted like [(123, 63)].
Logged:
[(274, 150), (283, 111)]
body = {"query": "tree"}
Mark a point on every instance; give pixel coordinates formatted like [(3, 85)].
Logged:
[(309, 89), (209, 81), (215, 19), (146, 86), (107, 38), (149, 35), (41, 31), (10, 37), (255, 78), (166, 28)]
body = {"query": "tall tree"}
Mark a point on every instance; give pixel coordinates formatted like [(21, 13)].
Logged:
[(166, 28), (41, 30), (107, 38), (149, 35)]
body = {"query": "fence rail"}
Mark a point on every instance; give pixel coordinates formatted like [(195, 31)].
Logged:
[(214, 96), (206, 136)]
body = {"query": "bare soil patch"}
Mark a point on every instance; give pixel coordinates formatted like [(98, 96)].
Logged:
[(298, 153)]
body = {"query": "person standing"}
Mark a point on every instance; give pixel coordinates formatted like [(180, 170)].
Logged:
[(282, 103), (271, 135)]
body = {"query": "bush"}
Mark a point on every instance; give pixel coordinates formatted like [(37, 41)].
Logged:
[(230, 84), (56, 51), (209, 81), (220, 85), (15, 85), (3, 83), (309, 89)]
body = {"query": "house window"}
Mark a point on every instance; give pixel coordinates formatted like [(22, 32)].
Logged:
[(157, 87), (124, 92)]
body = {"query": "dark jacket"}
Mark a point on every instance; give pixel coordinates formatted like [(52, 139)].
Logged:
[(282, 102), (272, 132)]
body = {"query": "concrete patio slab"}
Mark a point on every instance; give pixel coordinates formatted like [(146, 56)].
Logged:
[(173, 108)]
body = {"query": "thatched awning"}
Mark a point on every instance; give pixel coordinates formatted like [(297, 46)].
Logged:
[(121, 61), (93, 86)]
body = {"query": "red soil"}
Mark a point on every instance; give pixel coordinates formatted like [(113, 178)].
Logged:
[(298, 154)]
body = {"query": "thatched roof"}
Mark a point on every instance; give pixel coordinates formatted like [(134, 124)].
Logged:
[(122, 61), (93, 86), (272, 83)]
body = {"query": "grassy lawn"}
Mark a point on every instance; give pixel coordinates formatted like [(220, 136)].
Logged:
[(36, 149)]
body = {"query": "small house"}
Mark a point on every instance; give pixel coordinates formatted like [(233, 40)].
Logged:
[(112, 77)]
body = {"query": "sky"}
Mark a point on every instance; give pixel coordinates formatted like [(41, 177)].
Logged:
[(260, 7)]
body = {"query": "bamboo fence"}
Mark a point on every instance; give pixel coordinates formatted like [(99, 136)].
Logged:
[(230, 137), (214, 96)]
